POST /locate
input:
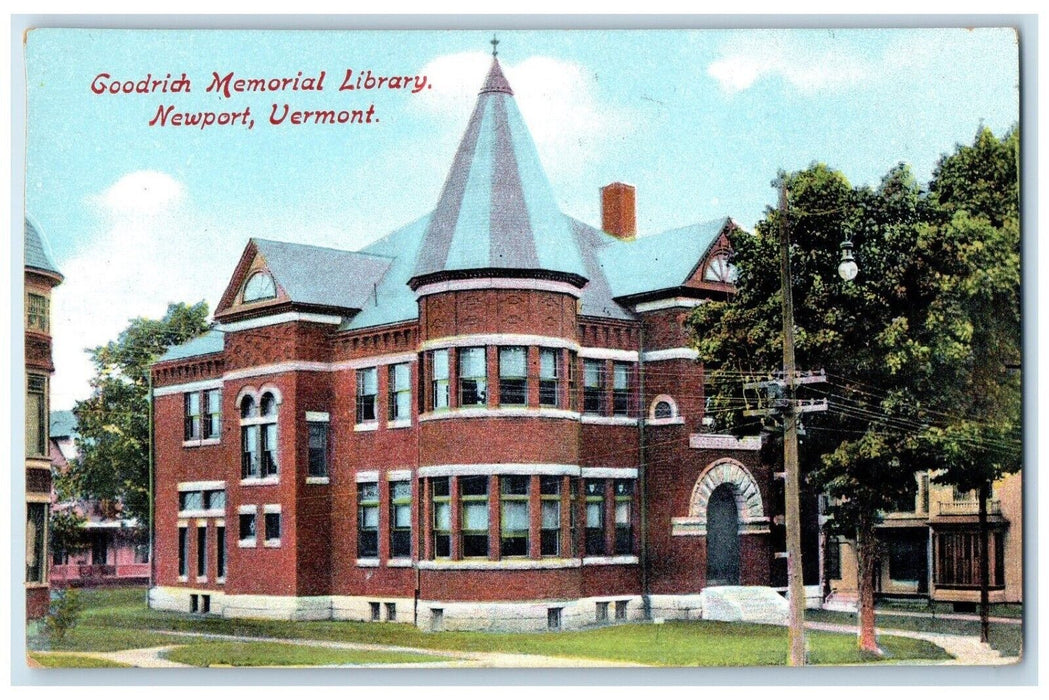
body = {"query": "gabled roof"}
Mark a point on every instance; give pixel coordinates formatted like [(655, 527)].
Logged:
[(63, 424), (211, 342), (497, 210), (37, 253), (661, 261), (325, 276)]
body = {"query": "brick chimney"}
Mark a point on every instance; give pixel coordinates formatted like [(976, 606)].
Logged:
[(617, 211)]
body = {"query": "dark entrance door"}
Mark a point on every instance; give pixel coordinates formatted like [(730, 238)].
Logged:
[(722, 538)]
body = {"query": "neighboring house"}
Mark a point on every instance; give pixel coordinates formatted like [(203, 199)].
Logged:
[(41, 276), (116, 548), (931, 548), (490, 418)]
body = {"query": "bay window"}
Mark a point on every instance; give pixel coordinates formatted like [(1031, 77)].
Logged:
[(549, 377), (513, 376), (550, 516), (440, 493), (513, 517), (473, 377), (473, 504), (439, 393)]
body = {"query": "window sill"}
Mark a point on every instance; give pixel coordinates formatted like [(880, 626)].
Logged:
[(183, 579), (399, 563), (676, 420), (260, 481), (220, 581), (246, 544), (608, 420), (214, 513), (322, 480), (366, 427), (605, 561), (499, 412), (272, 543), (202, 579), (203, 442), (368, 563), (37, 584), (398, 424), (502, 564)]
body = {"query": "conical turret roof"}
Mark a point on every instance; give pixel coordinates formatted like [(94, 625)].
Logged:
[(497, 211)]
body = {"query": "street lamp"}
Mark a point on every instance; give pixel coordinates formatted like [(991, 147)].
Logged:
[(792, 474)]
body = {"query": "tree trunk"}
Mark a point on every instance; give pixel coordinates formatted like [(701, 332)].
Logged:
[(985, 582), (866, 556)]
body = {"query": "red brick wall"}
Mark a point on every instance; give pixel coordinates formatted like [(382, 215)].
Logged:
[(497, 311)]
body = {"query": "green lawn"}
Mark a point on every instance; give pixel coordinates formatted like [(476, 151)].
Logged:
[(1006, 638), (277, 654), (49, 660), (119, 619)]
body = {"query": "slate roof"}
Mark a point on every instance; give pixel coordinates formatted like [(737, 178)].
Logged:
[(211, 342), (661, 261), (63, 424), (315, 275), (37, 252), (497, 209)]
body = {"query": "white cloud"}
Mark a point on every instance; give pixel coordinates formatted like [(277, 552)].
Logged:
[(150, 250), (806, 65), (557, 99)]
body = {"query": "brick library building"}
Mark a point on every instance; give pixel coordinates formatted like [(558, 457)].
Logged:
[(491, 418)]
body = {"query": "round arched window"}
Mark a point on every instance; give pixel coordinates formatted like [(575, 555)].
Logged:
[(663, 409), (269, 405), (259, 286), (247, 407)]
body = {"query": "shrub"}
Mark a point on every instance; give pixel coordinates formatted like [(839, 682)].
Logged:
[(64, 614)]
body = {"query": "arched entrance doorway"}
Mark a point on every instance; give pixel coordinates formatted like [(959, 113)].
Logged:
[(722, 538)]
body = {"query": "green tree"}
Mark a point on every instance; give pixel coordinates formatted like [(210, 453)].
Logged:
[(863, 451), (976, 322), (113, 423)]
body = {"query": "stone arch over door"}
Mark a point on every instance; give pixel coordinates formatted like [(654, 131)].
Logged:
[(749, 506)]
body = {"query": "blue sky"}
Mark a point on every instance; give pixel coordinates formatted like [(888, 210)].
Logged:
[(699, 121)]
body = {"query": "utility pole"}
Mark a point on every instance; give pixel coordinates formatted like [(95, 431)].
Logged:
[(795, 583)]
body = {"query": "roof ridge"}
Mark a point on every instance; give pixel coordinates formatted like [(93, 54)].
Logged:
[(322, 247)]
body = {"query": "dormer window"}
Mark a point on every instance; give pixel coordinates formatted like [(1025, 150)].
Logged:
[(259, 286)]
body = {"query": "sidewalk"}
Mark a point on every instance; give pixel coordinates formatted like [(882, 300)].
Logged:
[(967, 651)]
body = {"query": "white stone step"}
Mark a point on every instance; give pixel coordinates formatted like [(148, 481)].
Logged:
[(758, 604)]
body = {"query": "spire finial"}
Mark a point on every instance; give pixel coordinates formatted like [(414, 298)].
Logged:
[(495, 46)]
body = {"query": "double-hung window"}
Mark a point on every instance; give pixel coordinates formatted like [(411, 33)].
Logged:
[(367, 390), (271, 521), (36, 415), (192, 420), (400, 519), (593, 386), (212, 423), (400, 380), (550, 516), (620, 389), (318, 448), (246, 524), (513, 376), (595, 516), (202, 551), (36, 537), (440, 493), (473, 377), (440, 378), (473, 498), (258, 437), (183, 552), (624, 495), (367, 520), (514, 519), (549, 377)]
